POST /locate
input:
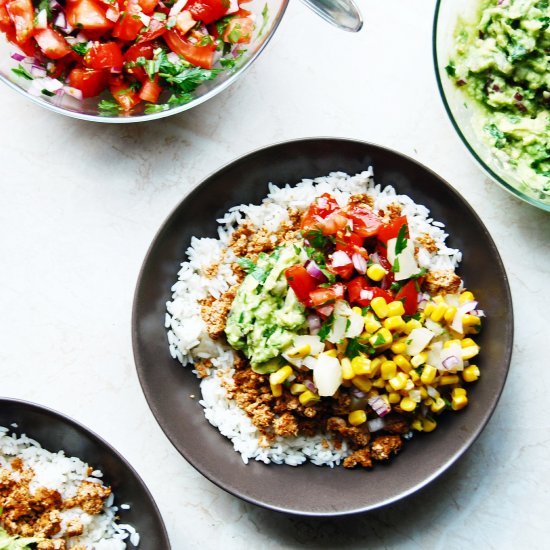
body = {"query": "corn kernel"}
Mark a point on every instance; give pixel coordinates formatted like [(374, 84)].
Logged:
[(438, 312), (438, 299), (450, 314), (407, 404), (402, 362), (394, 322), (409, 385), (360, 365), (278, 377), (448, 379), (428, 308), (416, 424), (428, 402), (376, 272), (388, 387), (362, 383), (414, 376), (470, 373), (385, 398), (469, 320), (296, 389), (419, 359), (467, 342), (459, 402), (399, 347), (398, 382), (388, 369), (358, 417), (379, 383), (428, 374), (411, 325), (450, 343), (394, 397), (428, 424), (371, 323), (438, 405), (466, 296), (375, 366), (308, 397), (423, 393), (302, 351), (331, 353), (396, 308), (372, 393), (379, 306), (276, 389), (357, 310), (469, 352), (381, 338), (458, 391), (347, 370)]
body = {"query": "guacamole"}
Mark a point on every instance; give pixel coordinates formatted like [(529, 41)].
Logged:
[(8, 542), (501, 61), (266, 314)]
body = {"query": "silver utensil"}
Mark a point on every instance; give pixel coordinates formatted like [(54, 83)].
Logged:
[(343, 14)]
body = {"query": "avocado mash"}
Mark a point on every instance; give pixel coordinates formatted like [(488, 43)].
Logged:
[(501, 61), (7, 542), (266, 314)]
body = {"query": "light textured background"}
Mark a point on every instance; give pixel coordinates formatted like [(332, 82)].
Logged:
[(80, 203)]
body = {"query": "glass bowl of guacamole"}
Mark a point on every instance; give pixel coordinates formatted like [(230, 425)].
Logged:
[(492, 61)]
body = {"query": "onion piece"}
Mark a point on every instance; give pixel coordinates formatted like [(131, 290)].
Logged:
[(325, 311), (379, 406), (113, 15), (340, 259), (310, 386), (116, 70), (177, 7), (450, 362), (314, 323), (73, 92), (462, 310), (376, 424), (18, 57), (313, 269), (38, 72), (145, 19), (359, 263), (41, 20)]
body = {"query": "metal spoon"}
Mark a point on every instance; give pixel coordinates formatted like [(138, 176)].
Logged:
[(340, 13)]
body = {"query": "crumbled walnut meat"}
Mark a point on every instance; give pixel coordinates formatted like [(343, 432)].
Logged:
[(358, 436), (444, 281), (214, 311), (396, 425), (383, 446), (285, 425), (428, 242), (48, 524), (360, 457), (54, 544), (211, 271), (89, 497), (392, 212), (362, 199), (45, 498), (17, 464), (202, 367), (74, 527)]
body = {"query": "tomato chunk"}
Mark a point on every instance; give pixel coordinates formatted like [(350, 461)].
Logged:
[(408, 294), (88, 81), (124, 95), (207, 11), (361, 293), (150, 91), (239, 30), (87, 15), (129, 24), (301, 282), (155, 29), (365, 222), (104, 56), (391, 230), (202, 56), (21, 13), (320, 208), (52, 43)]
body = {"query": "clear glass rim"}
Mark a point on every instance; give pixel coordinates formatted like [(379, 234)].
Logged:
[(489, 171), (155, 116)]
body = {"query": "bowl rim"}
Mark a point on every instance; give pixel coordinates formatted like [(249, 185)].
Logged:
[(484, 166), (169, 112), (97, 440), (445, 466)]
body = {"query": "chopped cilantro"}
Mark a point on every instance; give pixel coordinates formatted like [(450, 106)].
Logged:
[(265, 20), (22, 72), (268, 331), (47, 92), (107, 107), (357, 346), (247, 264), (81, 48), (395, 266), (450, 69), (401, 241), (326, 327)]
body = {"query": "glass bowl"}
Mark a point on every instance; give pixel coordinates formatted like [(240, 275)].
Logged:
[(267, 14), (460, 107)]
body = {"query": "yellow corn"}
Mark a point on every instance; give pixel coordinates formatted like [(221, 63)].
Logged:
[(469, 320), (308, 397), (448, 379), (385, 398), (430, 306), (438, 312), (438, 299), (371, 323), (402, 362), (438, 405), (458, 391), (466, 296), (469, 352), (450, 343), (428, 374), (360, 365), (399, 347), (423, 392), (358, 417), (347, 370), (357, 310), (470, 373), (414, 376), (450, 314), (407, 404), (398, 382), (331, 353), (376, 272), (394, 322), (467, 342), (428, 424), (458, 402), (276, 389), (416, 424), (411, 325), (419, 359), (296, 389), (394, 397), (302, 351), (362, 383), (388, 369), (396, 308), (278, 377), (380, 307), (379, 382), (381, 338)]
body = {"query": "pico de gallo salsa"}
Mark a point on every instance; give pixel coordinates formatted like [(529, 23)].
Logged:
[(134, 49)]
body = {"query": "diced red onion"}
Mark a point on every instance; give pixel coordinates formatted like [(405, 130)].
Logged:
[(379, 406), (359, 263), (376, 424), (450, 362), (314, 323), (73, 92), (55, 5), (291, 378), (233, 7), (177, 7), (41, 20), (310, 386), (113, 15), (366, 294), (340, 259), (339, 290), (464, 308), (358, 393), (116, 70), (173, 58), (38, 72), (325, 310), (51, 84), (478, 313), (385, 283), (313, 269), (18, 57), (432, 392)]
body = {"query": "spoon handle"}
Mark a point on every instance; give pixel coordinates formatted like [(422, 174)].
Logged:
[(340, 13)]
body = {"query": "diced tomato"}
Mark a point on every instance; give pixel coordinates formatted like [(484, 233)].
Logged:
[(301, 282), (351, 244), (155, 29), (320, 208), (207, 11), (21, 12), (340, 264), (202, 56), (105, 55), (52, 43), (239, 30), (5, 21), (129, 24), (365, 222), (125, 96), (408, 294), (322, 297), (391, 230), (88, 81), (148, 6), (87, 15), (133, 53), (150, 90), (361, 293)]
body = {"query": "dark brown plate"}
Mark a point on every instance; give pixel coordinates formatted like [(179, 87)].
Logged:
[(56, 432), (308, 489)]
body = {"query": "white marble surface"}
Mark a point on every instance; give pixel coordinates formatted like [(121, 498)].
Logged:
[(80, 203)]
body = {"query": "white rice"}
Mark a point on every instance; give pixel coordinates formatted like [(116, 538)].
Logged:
[(188, 338), (65, 474)]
